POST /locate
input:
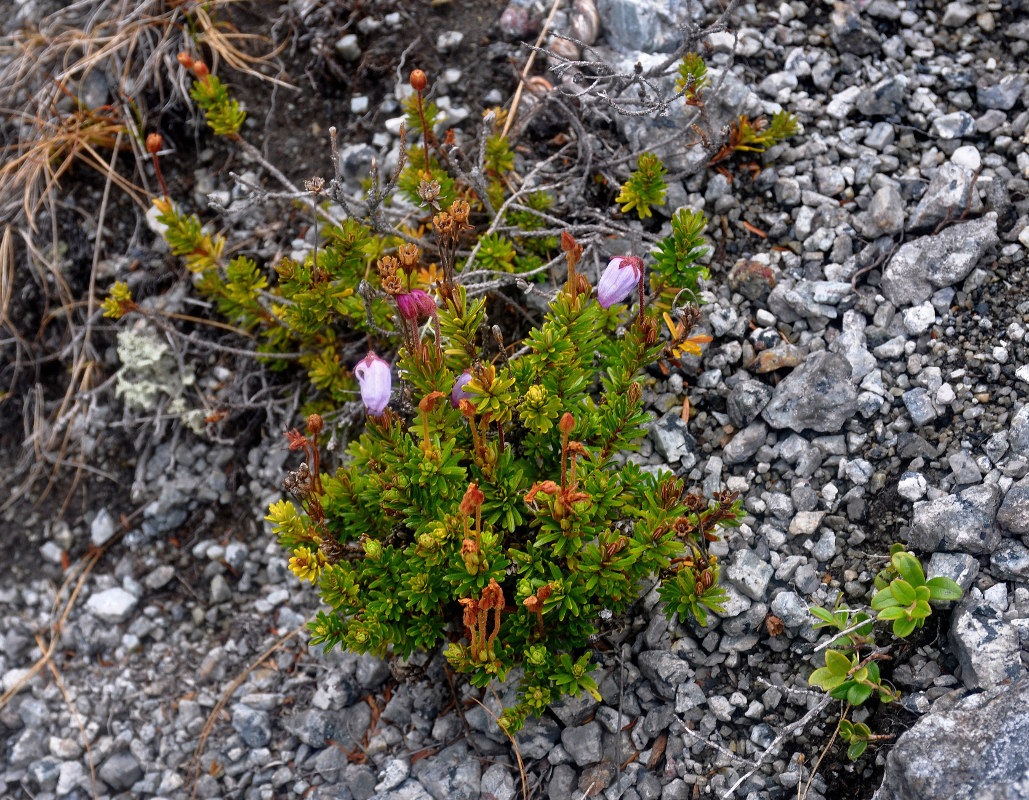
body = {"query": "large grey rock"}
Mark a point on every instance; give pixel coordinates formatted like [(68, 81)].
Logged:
[(1010, 562), (985, 644), (972, 750), (962, 523), (1013, 514), (818, 395), (921, 266), (949, 194)]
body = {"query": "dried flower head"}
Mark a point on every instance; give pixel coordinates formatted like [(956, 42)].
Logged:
[(419, 81)]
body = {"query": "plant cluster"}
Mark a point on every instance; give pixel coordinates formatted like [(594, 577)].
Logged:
[(851, 672), (484, 514)]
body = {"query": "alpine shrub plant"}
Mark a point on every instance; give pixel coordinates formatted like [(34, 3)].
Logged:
[(487, 509), (851, 671)]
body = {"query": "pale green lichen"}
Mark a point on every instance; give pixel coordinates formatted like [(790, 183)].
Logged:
[(148, 371)]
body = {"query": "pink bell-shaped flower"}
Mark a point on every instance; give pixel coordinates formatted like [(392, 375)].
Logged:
[(458, 393), (622, 275), (416, 305), (374, 377)]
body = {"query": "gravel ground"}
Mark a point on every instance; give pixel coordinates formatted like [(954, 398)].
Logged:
[(867, 384)]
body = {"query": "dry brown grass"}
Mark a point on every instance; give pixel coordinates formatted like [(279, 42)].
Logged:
[(48, 127)]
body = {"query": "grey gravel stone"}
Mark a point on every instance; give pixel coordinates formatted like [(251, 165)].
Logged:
[(750, 574), (959, 567), (963, 468), (112, 605), (969, 748), (102, 528), (1010, 562), (584, 743), (671, 437), (937, 261), (919, 406), (453, 774), (985, 644), (1013, 514), (953, 126), (962, 522), (745, 443), (817, 395), (253, 726), (746, 400), (1002, 94), (884, 97), (791, 609), (497, 784), (664, 670), (851, 33), (120, 771)]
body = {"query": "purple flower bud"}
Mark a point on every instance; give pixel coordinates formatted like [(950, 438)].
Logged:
[(621, 276), (373, 375), (416, 305), (458, 394)]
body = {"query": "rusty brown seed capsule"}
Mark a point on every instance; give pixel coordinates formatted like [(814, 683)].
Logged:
[(200, 69), (418, 80), (186, 60), (154, 141), (314, 424)]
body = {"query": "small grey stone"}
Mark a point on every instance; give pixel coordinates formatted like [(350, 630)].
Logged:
[(448, 41), (745, 401), (720, 707), (1001, 95), (638, 25), (912, 486), (750, 574), (745, 443), (806, 579), (1013, 514), (1018, 434), (253, 726), (1010, 562), (584, 743), (884, 97), (851, 33), (572, 711), (671, 437), (949, 194), (919, 406), (957, 14), (120, 771), (112, 605), (825, 547), (45, 773), (964, 468), (886, 211), (393, 773), (818, 395), (959, 567), (371, 671), (102, 528), (805, 523), (664, 670), (953, 126), (791, 609), (220, 591), (497, 784), (159, 577), (537, 737), (918, 319), (452, 774), (986, 645), (348, 48)]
